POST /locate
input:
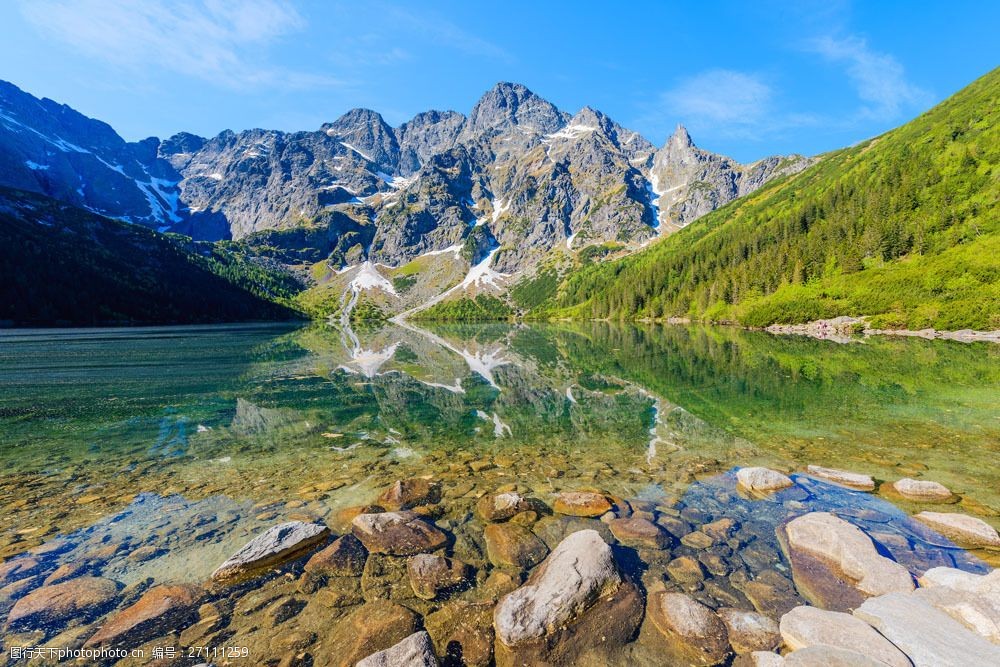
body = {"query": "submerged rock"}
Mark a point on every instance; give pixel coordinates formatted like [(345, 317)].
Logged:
[(462, 633), (851, 480), (344, 557), (513, 545), (808, 626), (836, 565), (581, 503), (749, 631), (432, 576), (159, 611), (397, 533), (964, 529), (414, 651), (922, 490), (55, 605), (762, 480), (639, 533), (576, 601), (691, 628), (407, 493), (501, 506), (275, 545), (370, 628)]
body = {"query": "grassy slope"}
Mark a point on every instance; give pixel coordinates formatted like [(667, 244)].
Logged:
[(904, 228), (63, 265)]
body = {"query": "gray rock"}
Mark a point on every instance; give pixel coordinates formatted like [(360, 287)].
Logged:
[(762, 480), (397, 533), (829, 656), (808, 626), (275, 545), (851, 480), (977, 611), (414, 651), (922, 490), (929, 637), (964, 529)]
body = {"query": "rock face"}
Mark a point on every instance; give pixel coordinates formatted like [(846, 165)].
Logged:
[(581, 503), (692, 629), (835, 565), (749, 631), (557, 612), (926, 635), (851, 480), (809, 626), (275, 545), (432, 576), (160, 610), (922, 490), (414, 651), (511, 545), (397, 533), (53, 606), (966, 530), (344, 557), (761, 480)]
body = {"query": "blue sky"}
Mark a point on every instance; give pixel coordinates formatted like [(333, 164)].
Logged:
[(748, 78)]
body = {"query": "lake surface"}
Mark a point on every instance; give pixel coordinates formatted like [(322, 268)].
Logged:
[(138, 435)]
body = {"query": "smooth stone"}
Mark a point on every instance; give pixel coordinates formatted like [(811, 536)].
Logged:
[(501, 506), (576, 602), (408, 493), (690, 627), (810, 626), (68, 571), (685, 569), (397, 533), (513, 545), (964, 529), (160, 610), (762, 480), (697, 540), (54, 605), (847, 553), (344, 557), (922, 490), (851, 480), (414, 651), (370, 628), (462, 633), (581, 503), (431, 576), (976, 611), (759, 659), (828, 656), (639, 533), (929, 637), (749, 631), (961, 580), (720, 529), (274, 546)]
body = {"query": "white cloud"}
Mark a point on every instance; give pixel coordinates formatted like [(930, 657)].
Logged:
[(721, 97), (217, 41), (878, 78)]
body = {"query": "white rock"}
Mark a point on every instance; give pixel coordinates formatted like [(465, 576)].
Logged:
[(979, 613), (923, 489), (851, 480), (760, 659), (274, 545), (952, 578), (829, 656), (967, 530), (930, 638), (809, 626), (577, 572), (762, 479), (414, 651), (848, 548)]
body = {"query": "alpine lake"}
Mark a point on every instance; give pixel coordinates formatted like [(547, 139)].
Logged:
[(148, 456)]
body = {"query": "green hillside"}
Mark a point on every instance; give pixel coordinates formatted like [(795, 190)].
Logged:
[(61, 265), (904, 228)]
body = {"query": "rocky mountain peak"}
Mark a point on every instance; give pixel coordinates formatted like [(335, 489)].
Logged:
[(680, 138), (366, 133), (512, 104)]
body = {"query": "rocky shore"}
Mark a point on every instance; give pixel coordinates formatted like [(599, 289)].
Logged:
[(753, 567), (846, 329)]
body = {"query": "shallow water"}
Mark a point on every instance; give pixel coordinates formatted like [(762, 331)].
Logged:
[(188, 440)]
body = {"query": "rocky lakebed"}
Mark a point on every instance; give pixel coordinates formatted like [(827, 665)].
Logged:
[(748, 567)]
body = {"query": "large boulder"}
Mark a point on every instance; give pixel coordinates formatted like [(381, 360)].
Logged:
[(576, 601), (693, 630), (809, 626), (414, 651), (759, 481), (928, 636), (274, 546), (53, 606), (851, 480), (980, 612), (835, 565), (159, 611), (828, 656), (966, 530), (397, 533)]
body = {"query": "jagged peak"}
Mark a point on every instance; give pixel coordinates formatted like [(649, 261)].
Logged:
[(354, 118), (509, 103), (680, 137)]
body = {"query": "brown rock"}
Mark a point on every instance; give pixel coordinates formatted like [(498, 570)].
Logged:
[(160, 610), (512, 545), (19, 568), (639, 533), (397, 533), (719, 530), (433, 576), (691, 628), (581, 503), (54, 605), (407, 493), (68, 571), (685, 569), (697, 540), (462, 633), (749, 631), (386, 578), (344, 557), (501, 506), (372, 627)]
